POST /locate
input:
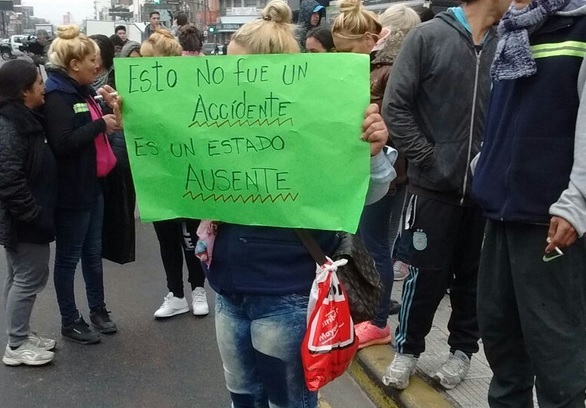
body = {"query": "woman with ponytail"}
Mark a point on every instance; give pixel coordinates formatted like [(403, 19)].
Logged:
[(360, 31), (263, 275), (76, 132)]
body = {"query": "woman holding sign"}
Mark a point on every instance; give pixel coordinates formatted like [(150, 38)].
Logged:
[(76, 132), (263, 275)]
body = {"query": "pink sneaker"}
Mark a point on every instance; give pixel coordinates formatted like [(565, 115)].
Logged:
[(368, 334)]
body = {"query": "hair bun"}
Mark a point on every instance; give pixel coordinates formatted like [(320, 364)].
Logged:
[(349, 6), (67, 32), (277, 11)]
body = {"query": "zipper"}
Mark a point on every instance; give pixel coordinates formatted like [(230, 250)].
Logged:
[(471, 135)]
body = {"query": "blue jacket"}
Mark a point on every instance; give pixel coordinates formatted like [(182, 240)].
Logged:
[(527, 155), (71, 133)]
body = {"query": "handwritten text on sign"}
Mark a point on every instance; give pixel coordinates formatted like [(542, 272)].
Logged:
[(259, 139)]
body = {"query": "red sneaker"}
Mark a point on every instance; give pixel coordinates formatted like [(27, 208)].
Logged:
[(368, 334)]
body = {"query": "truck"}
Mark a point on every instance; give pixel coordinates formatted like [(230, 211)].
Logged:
[(47, 27)]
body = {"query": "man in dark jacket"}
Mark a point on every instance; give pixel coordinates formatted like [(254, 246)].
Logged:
[(434, 106), (154, 25), (531, 183)]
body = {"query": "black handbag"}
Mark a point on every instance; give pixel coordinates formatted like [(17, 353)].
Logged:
[(118, 232), (359, 276)]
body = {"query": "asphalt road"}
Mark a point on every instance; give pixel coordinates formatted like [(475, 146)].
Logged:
[(148, 363)]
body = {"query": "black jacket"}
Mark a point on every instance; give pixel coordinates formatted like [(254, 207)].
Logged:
[(28, 178), (435, 104), (71, 133)]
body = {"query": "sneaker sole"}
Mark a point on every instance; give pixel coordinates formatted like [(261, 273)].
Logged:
[(92, 341), (105, 331), (15, 362), (175, 313), (399, 279), (201, 313), (440, 378), (384, 340)]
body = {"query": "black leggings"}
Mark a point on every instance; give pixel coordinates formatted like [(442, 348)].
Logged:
[(177, 239)]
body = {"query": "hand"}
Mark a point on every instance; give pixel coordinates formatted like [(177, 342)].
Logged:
[(118, 114), (110, 100), (112, 124), (561, 234), (374, 129)]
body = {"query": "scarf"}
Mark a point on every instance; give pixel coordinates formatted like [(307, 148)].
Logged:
[(102, 79), (513, 58)]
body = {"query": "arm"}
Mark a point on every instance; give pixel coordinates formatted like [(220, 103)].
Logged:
[(381, 161), (400, 101), (15, 193), (63, 138), (568, 212)]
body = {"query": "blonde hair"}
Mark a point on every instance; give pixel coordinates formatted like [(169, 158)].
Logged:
[(354, 21), (161, 44), (399, 19), (273, 34), (70, 44)]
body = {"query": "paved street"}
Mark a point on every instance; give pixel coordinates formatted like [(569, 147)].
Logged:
[(148, 363)]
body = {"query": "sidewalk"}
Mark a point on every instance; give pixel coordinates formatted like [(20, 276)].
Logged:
[(423, 392)]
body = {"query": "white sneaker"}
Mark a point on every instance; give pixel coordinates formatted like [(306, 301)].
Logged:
[(27, 354), (398, 373), (172, 306), (454, 370), (200, 302), (41, 342)]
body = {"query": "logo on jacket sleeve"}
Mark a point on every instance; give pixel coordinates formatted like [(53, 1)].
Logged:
[(419, 240)]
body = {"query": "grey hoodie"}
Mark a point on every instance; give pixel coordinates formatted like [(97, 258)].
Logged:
[(571, 205), (435, 104)]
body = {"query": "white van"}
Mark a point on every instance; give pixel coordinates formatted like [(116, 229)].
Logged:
[(17, 41)]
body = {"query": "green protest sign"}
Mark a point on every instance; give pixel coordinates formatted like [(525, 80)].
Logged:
[(268, 140)]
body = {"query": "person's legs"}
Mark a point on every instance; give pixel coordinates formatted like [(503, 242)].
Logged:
[(91, 258), (500, 325), (28, 267), (237, 353), (71, 230), (169, 236), (552, 308), (374, 233), (463, 324), (432, 228), (195, 270), (189, 239), (277, 330)]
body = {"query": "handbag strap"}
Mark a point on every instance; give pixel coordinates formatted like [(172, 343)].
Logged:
[(311, 245)]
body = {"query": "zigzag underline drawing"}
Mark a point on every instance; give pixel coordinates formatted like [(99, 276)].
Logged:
[(239, 197), (259, 122)]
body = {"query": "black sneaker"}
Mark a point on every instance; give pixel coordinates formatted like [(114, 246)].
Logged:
[(101, 320), (80, 332)]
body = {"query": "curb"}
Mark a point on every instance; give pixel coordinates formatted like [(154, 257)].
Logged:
[(368, 369)]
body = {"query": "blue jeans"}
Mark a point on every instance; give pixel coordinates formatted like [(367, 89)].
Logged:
[(79, 236), (259, 338)]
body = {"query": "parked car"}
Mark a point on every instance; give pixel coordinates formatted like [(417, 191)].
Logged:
[(16, 42), (209, 48), (6, 50)]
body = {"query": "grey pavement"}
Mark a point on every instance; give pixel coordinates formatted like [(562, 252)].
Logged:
[(171, 363)]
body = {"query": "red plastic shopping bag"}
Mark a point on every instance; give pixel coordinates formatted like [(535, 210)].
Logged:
[(329, 345)]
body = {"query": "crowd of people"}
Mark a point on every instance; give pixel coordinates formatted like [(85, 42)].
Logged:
[(486, 198)]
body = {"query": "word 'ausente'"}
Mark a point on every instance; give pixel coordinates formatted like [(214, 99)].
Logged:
[(256, 179)]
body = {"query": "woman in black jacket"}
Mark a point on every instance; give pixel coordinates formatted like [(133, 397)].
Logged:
[(28, 194), (76, 131)]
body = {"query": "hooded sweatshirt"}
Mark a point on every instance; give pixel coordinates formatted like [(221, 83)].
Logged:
[(435, 104), (306, 9)]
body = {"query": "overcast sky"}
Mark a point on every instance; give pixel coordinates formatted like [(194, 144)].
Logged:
[(53, 10)]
